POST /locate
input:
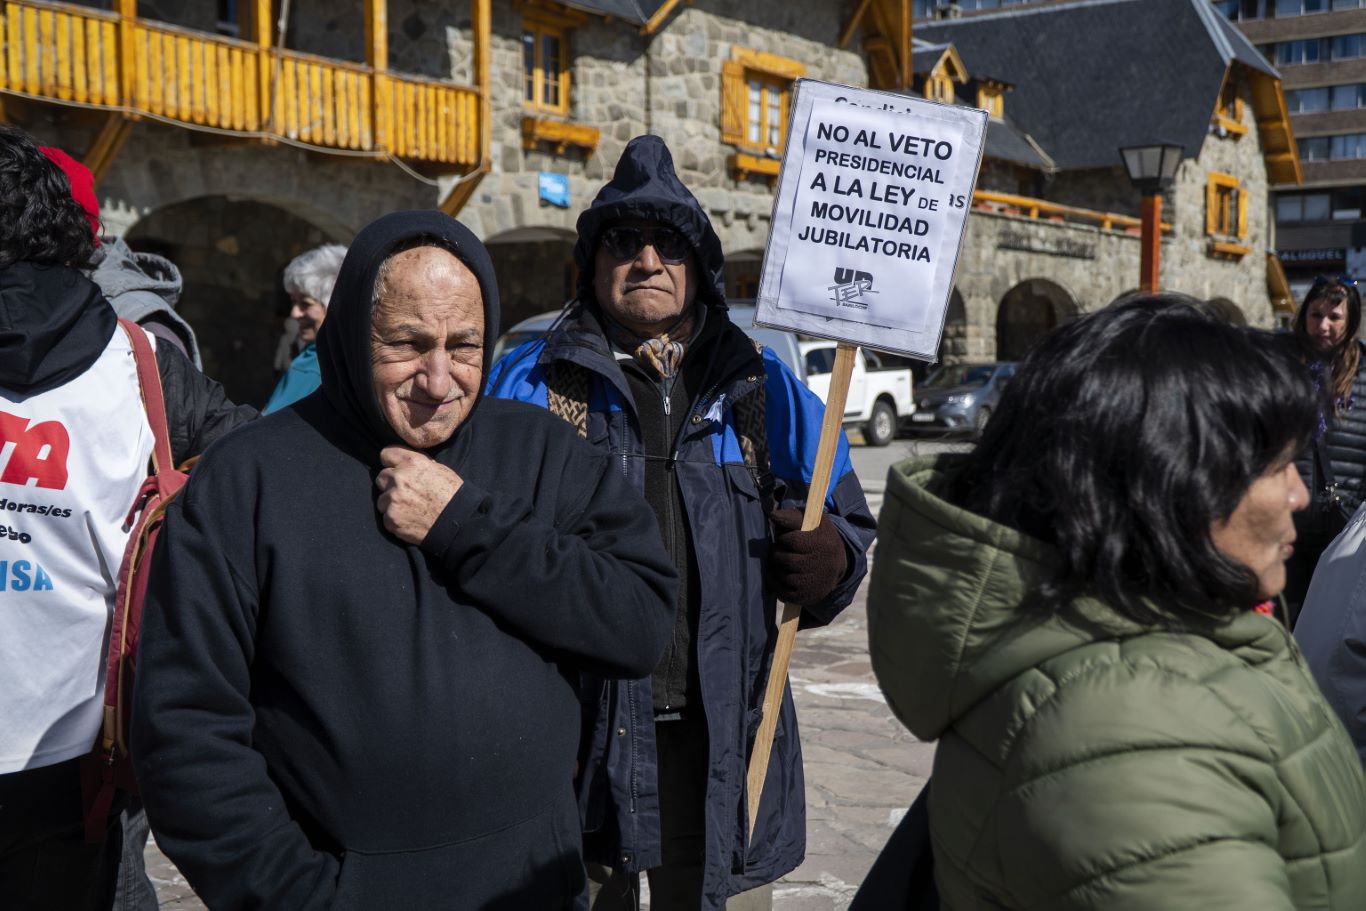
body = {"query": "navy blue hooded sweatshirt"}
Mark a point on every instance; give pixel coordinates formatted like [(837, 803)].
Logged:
[(326, 717)]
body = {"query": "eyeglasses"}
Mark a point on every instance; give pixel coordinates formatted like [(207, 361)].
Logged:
[(624, 243), (1340, 278)]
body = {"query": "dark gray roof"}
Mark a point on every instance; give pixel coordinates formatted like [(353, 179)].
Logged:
[(925, 55), (636, 11), (1095, 75), (1007, 142)]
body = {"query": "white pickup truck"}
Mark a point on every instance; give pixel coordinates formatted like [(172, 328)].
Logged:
[(880, 398)]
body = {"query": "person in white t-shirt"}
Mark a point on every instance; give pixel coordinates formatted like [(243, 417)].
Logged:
[(74, 448)]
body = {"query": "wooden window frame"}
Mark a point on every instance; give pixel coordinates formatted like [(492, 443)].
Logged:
[(775, 74), (939, 87), (540, 27), (991, 100), (1226, 201), (1228, 111)]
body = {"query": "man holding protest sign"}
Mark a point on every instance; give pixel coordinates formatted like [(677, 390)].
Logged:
[(721, 439)]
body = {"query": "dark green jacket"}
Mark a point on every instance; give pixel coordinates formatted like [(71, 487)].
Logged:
[(1095, 763)]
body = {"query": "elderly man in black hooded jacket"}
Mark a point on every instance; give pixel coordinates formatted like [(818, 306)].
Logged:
[(721, 439), (354, 690)]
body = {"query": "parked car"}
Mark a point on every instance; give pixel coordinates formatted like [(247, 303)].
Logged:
[(961, 397), (881, 397), (784, 344)]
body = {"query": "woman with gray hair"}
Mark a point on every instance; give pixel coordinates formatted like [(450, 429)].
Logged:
[(308, 281)]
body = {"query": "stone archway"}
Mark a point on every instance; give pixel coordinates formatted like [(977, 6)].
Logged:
[(1027, 312), (231, 253), (535, 269), (742, 274), (953, 345), (1228, 310)]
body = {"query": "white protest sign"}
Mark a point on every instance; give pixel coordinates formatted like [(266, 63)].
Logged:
[(869, 220)]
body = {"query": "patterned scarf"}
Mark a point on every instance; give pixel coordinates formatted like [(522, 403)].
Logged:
[(662, 354)]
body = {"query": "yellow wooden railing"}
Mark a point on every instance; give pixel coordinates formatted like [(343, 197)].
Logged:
[(1042, 209), (83, 56)]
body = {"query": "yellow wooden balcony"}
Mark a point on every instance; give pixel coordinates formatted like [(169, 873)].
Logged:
[(144, 69)]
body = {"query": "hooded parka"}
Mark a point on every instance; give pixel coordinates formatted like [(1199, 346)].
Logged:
[(328, 717), (725, 520), (1089, 762)]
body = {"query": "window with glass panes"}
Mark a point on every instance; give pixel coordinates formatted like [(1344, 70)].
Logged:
[(1310, 51), (1297, 207), (228, 23), (1349, 47), (1347, 146), (1225, 206), (1300, 7), (1313, 148), (767, 100), (755, 90), (1349, 97), (1307, 101), (545, 77)]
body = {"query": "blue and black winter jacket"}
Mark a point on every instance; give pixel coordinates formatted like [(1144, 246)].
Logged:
[(726, 507)]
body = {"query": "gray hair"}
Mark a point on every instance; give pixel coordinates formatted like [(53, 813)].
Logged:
[(313, 273)]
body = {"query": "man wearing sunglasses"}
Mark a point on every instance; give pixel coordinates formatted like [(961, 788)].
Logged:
[(718, 436)]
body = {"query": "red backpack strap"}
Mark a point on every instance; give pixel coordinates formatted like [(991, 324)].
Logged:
[(153, 402)]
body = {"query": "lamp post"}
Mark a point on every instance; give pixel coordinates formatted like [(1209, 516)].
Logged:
[(1152, 168)]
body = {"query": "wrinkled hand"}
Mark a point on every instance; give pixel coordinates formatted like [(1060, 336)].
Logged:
[(414, 489), (805, 566)]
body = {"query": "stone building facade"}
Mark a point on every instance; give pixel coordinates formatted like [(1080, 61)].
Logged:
[(233, 212)]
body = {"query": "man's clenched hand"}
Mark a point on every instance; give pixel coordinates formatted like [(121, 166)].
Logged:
[(414, 489)]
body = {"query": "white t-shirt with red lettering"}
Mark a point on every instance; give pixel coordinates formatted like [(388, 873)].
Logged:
[(71, 462)]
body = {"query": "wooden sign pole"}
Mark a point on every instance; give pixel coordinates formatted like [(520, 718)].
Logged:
[(787, 628)]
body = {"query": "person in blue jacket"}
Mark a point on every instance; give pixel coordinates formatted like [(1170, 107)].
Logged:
[(308, 281), (721, 438)]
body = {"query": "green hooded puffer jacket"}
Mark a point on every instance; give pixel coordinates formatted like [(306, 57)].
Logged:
[(1093, 762)]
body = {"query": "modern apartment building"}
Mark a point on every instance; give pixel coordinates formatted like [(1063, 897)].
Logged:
[(1319, 47)]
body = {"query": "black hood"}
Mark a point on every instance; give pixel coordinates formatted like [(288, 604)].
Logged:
[(54, 324), (645, 186), (344, 339)]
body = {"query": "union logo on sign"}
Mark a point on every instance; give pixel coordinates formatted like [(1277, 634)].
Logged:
[(850, 286), (39, 452)]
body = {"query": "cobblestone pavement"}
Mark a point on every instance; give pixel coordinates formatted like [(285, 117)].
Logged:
[(863, 769)]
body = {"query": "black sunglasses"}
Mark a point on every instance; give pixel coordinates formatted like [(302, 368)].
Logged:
[(624, 242), (1340, 278)]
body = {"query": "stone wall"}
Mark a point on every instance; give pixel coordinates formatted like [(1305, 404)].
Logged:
[(424, 35), (1106, 189), (625, 84), (231, 255), (1090, 266), (1187, 263)]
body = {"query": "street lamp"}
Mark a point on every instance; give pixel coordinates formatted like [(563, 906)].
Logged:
[(1152, 168)]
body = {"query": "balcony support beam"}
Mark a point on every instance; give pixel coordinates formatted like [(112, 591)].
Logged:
[(377, 55), (262, 34), (128, 14), (483, 41), (107, 145), (377, 34)]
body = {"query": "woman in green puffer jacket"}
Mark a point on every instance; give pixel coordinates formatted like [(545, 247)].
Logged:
[(1071, 611)]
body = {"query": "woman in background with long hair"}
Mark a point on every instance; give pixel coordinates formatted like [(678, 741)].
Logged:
[(1333, 465)]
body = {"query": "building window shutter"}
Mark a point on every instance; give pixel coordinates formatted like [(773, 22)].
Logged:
[(1242, 213), (734, 102), (1211, 208)]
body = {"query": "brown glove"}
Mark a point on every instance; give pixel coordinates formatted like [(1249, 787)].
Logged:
[(805, 566)]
